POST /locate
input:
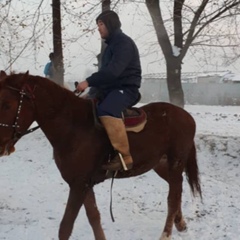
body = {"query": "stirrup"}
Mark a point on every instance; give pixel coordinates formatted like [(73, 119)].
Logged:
[(111, 174), (117, 164), (124, 165), (113, 165)]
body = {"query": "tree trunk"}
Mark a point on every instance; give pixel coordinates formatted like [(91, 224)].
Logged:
[(176, 95), (57, 43), (105, 6), (175, 91)]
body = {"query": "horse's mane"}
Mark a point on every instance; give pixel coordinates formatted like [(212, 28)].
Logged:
[(18, 79), (54, 94)]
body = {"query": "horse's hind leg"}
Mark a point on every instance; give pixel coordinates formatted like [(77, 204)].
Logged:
[(94, 215), (75, 200), (179, 221), (173, 175)]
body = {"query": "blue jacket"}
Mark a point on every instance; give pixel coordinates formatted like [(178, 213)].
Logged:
[(120, 65), (48, 70)]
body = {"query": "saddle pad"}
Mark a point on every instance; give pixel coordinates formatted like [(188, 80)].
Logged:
[(134, 119)]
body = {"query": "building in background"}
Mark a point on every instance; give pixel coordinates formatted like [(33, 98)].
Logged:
[(206, 88)]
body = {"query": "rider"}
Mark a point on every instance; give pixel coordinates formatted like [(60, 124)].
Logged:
[(118, 81)]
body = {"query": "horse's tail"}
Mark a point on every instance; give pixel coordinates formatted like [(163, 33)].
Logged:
[(192, 173)]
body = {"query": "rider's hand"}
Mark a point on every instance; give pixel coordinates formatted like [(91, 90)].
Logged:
[(82, 86)]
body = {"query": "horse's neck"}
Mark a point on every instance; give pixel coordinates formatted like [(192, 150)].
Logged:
[(62, 113)]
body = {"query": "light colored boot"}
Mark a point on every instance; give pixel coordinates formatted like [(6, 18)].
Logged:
[(116, 132)]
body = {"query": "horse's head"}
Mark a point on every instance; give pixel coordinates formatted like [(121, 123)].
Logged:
[(16, 109)]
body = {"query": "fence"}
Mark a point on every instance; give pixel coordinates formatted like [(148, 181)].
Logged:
[(194, 93)]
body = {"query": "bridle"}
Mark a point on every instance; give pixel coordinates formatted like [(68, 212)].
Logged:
[(26, 91)]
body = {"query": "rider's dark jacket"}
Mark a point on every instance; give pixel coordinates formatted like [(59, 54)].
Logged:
[(120, 65)]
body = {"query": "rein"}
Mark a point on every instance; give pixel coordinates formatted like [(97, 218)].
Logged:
[(76, 92), (17, 134)]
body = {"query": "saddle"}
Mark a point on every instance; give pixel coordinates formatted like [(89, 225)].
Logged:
[(134, 118)]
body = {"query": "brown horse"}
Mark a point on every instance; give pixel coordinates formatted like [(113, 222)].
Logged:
[(80, 148)]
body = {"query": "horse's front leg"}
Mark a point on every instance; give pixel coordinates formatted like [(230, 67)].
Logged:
[(75, 200), (93, 215)]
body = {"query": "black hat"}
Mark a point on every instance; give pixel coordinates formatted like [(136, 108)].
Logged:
[(110, 19)]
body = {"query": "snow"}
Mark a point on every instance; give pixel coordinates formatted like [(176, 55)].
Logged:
[(33, 194), (176, 51)]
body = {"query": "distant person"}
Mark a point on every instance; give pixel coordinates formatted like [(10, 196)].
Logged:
[(49, 67)]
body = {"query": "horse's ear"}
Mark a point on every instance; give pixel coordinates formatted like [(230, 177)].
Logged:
[(2, 74), (25, 75)]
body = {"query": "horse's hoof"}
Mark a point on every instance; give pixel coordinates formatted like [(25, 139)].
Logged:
[(181, 226), (165, 236)]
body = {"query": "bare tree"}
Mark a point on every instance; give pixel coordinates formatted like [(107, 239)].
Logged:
[(57, 43), (189, 25), (190, 22), (17, 44), (20, 32), (106, 5)]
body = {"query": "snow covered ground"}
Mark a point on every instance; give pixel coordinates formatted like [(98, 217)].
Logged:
[(33, 194)]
